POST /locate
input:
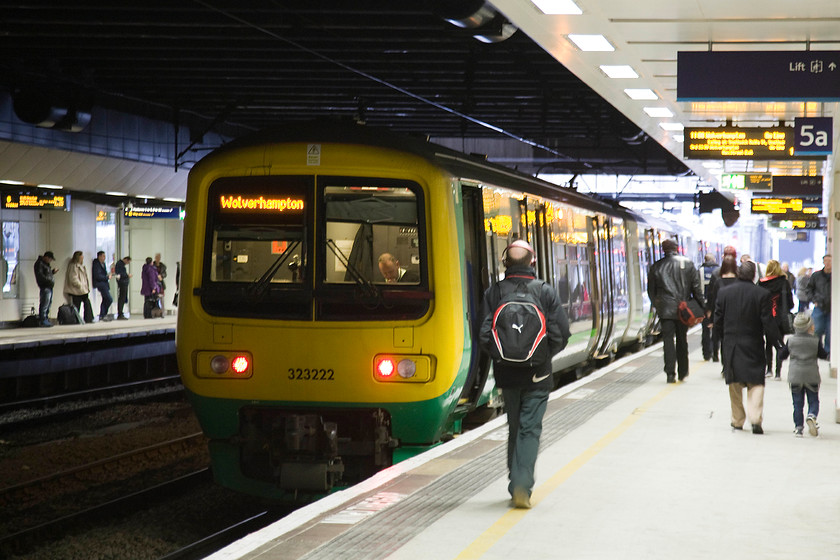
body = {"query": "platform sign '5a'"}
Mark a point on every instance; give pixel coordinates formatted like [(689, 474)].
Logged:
[(813, 136)]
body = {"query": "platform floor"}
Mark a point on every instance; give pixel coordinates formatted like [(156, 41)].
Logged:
[(135, 325), (630, 468)]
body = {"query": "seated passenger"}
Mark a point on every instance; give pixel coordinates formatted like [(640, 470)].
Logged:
[(392, 272)]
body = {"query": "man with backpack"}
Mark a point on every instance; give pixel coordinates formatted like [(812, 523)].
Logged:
[(524, 327)]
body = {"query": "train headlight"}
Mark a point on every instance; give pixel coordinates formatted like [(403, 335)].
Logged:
[(406, 368), (402, 368), (219, 364), (215, 365)]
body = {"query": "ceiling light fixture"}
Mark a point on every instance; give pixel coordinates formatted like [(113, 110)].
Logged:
[(660, 112), (11, 182), (48, 186), (558, 7), (590, 43), (672, 126), (116, 193), (641, 94), (619, 71)]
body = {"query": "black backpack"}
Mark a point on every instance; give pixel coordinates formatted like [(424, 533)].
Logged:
[(519, 327)]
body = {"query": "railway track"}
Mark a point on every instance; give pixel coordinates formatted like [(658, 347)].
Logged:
[(15, 414)]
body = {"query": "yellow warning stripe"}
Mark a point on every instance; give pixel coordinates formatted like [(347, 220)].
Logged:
[(513, 516)]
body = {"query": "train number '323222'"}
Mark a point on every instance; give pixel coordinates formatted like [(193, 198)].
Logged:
[(307, 374)]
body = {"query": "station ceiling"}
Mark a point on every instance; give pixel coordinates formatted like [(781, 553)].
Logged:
[(237, 65)]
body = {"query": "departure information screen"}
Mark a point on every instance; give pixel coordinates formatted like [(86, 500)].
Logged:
[(36, 201), (738, 143)]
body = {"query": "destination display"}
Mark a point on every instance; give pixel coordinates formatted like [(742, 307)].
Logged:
[(39, 201), (152, 212), (738, 143), (747, 181), (786, 205)]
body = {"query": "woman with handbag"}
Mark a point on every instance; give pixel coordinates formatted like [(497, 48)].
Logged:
[(782, 300)]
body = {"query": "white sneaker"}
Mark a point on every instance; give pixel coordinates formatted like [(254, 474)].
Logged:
[(813, 427), (798, 431)]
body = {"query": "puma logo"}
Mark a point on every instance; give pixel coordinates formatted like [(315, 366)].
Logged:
[(517, 327)]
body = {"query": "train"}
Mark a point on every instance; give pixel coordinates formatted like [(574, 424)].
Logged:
[(307, 368)]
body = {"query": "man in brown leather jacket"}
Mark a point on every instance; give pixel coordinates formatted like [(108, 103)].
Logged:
[(673, 279)]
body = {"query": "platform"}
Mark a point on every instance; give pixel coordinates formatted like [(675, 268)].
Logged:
[(46, 350), (630, 468)]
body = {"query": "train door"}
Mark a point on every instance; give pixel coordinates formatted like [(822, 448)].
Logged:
[(478, 277), (602, 284)]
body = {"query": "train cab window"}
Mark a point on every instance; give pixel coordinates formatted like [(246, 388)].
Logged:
[(373, 249), (257, 247)]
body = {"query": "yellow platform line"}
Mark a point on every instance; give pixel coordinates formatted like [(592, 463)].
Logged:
[(500, 528)]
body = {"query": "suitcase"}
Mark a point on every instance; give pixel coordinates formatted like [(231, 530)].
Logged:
[(30, 322), (69, 315)]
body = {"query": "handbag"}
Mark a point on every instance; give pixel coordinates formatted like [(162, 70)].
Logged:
[(690, 313)]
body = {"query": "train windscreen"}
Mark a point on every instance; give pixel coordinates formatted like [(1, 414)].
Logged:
[(267, 257)]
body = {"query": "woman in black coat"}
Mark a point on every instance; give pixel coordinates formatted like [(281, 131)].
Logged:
[(743, 319), (781, 303)]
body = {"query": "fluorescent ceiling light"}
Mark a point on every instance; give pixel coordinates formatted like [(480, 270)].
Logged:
[(11, 182), (663, 112), (678, 138), (590, 42), (116, 193), (174, 199), (619, 71), (47, 186), (672, 126), (641, 94), (147, 196), (558, 7), (713, 164)]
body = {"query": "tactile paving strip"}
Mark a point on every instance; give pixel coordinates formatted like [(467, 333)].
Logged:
[(386, 532)]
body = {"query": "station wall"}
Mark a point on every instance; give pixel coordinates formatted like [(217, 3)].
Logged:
[(66, 232)]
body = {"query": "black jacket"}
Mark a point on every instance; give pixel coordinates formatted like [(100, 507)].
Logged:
[(558, 332), (744, 318), (673, 279), (781, 298), (99, 272), (819, 290), (44, 273)]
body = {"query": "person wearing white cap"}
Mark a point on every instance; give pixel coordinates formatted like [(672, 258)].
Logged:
[(804, 348)]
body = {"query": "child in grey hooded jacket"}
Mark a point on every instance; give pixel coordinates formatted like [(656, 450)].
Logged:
[(804, 348)]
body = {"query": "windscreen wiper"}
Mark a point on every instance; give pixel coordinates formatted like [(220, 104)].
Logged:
[(368, 288), (260, 285)]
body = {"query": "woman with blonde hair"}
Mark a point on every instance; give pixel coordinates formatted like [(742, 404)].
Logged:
[(781, 300), (77, 285)]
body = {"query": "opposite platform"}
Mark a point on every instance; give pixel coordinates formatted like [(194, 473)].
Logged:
[(630, 467)]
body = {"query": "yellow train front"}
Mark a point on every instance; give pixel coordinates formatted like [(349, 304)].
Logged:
[(304, 363)]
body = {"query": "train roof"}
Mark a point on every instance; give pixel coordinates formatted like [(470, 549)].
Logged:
[(465, 166)]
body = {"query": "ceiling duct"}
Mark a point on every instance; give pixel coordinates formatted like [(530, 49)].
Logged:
[(36, 108), (477, 17)]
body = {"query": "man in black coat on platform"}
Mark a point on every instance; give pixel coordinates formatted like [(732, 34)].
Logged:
[(743, 318), (673, 279)]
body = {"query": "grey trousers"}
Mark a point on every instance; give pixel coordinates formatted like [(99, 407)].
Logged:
[(525, 410)]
